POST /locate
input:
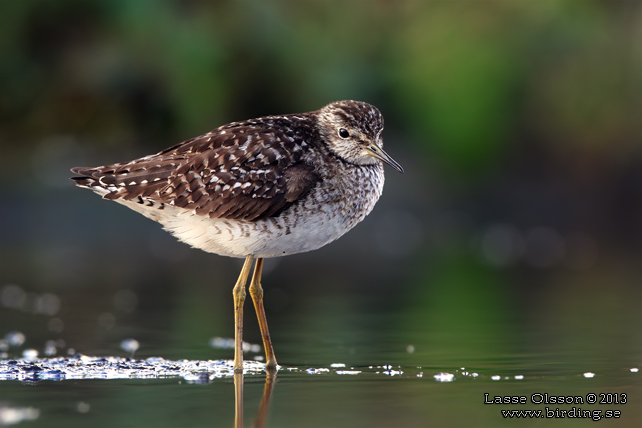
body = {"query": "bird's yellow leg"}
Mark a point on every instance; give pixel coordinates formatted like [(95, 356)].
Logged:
[(257, 297), (239, 299)]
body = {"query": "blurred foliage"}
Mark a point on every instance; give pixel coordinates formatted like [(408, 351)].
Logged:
[(534, 106), (467, 80)]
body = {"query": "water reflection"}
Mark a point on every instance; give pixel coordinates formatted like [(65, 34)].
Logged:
[(109, 390), (238, 399), (261, 414)]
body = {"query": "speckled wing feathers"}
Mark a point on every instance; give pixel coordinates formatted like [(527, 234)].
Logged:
[(245, 170)]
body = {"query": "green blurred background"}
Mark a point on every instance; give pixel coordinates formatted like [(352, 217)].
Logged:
[(516, 230)]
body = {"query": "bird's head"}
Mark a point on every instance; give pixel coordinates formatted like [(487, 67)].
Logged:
[(352, 130)]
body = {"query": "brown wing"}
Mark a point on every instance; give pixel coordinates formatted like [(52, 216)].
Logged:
[(248, 171)]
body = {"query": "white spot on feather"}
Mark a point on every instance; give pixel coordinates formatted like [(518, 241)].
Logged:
[(247, 143)]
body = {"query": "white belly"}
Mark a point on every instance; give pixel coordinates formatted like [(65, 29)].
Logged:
[(266, 238), (322, 217)]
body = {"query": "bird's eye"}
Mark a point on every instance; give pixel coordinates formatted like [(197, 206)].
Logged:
[(343, 133)]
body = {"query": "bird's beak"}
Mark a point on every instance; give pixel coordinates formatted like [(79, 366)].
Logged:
[(377, 152)]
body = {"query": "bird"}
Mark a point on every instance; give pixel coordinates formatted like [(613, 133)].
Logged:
[(259, 188)]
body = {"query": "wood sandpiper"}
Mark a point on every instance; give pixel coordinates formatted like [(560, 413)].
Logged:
[(265, 187)]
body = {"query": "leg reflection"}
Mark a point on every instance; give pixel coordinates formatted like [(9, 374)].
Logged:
[(262, 413), (238, 399), (261, 416)]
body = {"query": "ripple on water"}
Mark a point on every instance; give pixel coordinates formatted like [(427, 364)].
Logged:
[(31, 369), (86, 367)]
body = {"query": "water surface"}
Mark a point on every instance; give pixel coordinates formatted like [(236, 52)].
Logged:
[(350, 360)]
